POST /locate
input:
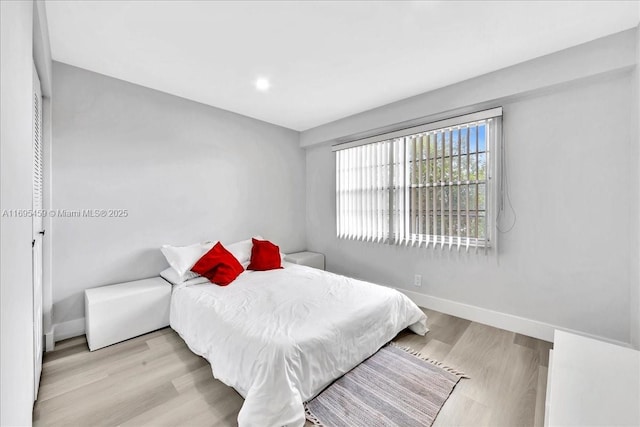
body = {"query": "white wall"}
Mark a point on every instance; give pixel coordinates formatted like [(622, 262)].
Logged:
[(601, 56), (185, 172), (635, 290), (16, 321), (571, 260)]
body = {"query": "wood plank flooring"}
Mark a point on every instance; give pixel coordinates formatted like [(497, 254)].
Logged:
[(154, 380)]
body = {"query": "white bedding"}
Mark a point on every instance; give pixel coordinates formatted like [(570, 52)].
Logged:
[(279, 337)]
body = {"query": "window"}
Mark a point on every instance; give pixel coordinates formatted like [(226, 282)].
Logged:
[(433, 184)]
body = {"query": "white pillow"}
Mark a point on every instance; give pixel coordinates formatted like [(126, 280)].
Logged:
[(182, 258), (172, 277), (242, 250)]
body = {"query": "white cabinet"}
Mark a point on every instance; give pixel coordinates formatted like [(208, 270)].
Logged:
[(118, 312), (310, 259), (592, 383)]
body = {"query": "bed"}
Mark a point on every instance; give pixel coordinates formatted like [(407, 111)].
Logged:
[(279, 337)]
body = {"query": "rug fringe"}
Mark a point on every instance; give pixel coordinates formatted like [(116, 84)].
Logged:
[(426, 359), (312, 418)]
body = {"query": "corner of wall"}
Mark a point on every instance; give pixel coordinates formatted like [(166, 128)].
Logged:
[(42, 47), (635, 291)]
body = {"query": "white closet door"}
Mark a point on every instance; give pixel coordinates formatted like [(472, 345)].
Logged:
[(37, 233)]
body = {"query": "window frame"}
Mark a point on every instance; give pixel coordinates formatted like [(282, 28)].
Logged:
[(397, 229)]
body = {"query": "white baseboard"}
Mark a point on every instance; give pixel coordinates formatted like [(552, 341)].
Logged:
[(521, 325), (69, 329), (509, 322), (49, 340)]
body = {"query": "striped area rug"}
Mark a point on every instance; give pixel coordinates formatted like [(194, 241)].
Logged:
[(394, 387)]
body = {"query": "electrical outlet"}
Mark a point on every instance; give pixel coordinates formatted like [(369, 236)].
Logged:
[(417, 280)]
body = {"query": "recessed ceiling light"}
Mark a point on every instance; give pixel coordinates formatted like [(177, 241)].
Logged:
[(262, 84)]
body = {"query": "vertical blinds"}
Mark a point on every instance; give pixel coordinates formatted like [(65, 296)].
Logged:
[(37, 153), (427, 185), (37, 192)]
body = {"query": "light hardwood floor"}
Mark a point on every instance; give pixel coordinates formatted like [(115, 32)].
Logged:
[(154, 380)]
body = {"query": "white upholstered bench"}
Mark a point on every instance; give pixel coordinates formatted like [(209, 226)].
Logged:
[(118, 312)]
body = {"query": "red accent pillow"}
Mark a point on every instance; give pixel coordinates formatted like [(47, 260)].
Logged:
[(218, 265), (264, 256)]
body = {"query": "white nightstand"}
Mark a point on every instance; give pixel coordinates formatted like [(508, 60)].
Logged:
[(310, 259), (118, 312)]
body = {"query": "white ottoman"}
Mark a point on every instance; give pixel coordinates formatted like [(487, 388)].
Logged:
[(310, 259), (118, 312)]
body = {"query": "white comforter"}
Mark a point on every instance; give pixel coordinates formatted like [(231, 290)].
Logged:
[(279, 337)]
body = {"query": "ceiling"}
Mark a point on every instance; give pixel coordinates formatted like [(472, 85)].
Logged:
[(324, 60)]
